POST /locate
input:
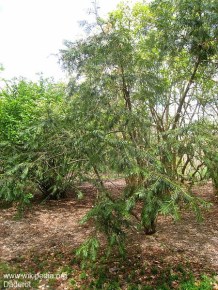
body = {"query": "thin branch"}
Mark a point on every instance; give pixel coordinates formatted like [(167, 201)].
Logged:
[(184, 95)]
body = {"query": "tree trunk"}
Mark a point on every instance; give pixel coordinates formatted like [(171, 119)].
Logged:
[(151, 228)]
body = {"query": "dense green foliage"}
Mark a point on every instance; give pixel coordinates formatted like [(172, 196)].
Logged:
[(36, 143)]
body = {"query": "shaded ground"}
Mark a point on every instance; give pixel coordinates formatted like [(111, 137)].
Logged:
[(53, 227), (189, 239)]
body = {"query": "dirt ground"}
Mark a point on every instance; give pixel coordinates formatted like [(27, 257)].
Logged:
[(56, 223)]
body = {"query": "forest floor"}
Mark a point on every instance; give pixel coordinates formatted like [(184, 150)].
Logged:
[(45, 239)]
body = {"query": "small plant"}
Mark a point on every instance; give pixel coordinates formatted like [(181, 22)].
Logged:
[(205, 283)]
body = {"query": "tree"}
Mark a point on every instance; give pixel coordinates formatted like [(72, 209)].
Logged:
[(144, 78)]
